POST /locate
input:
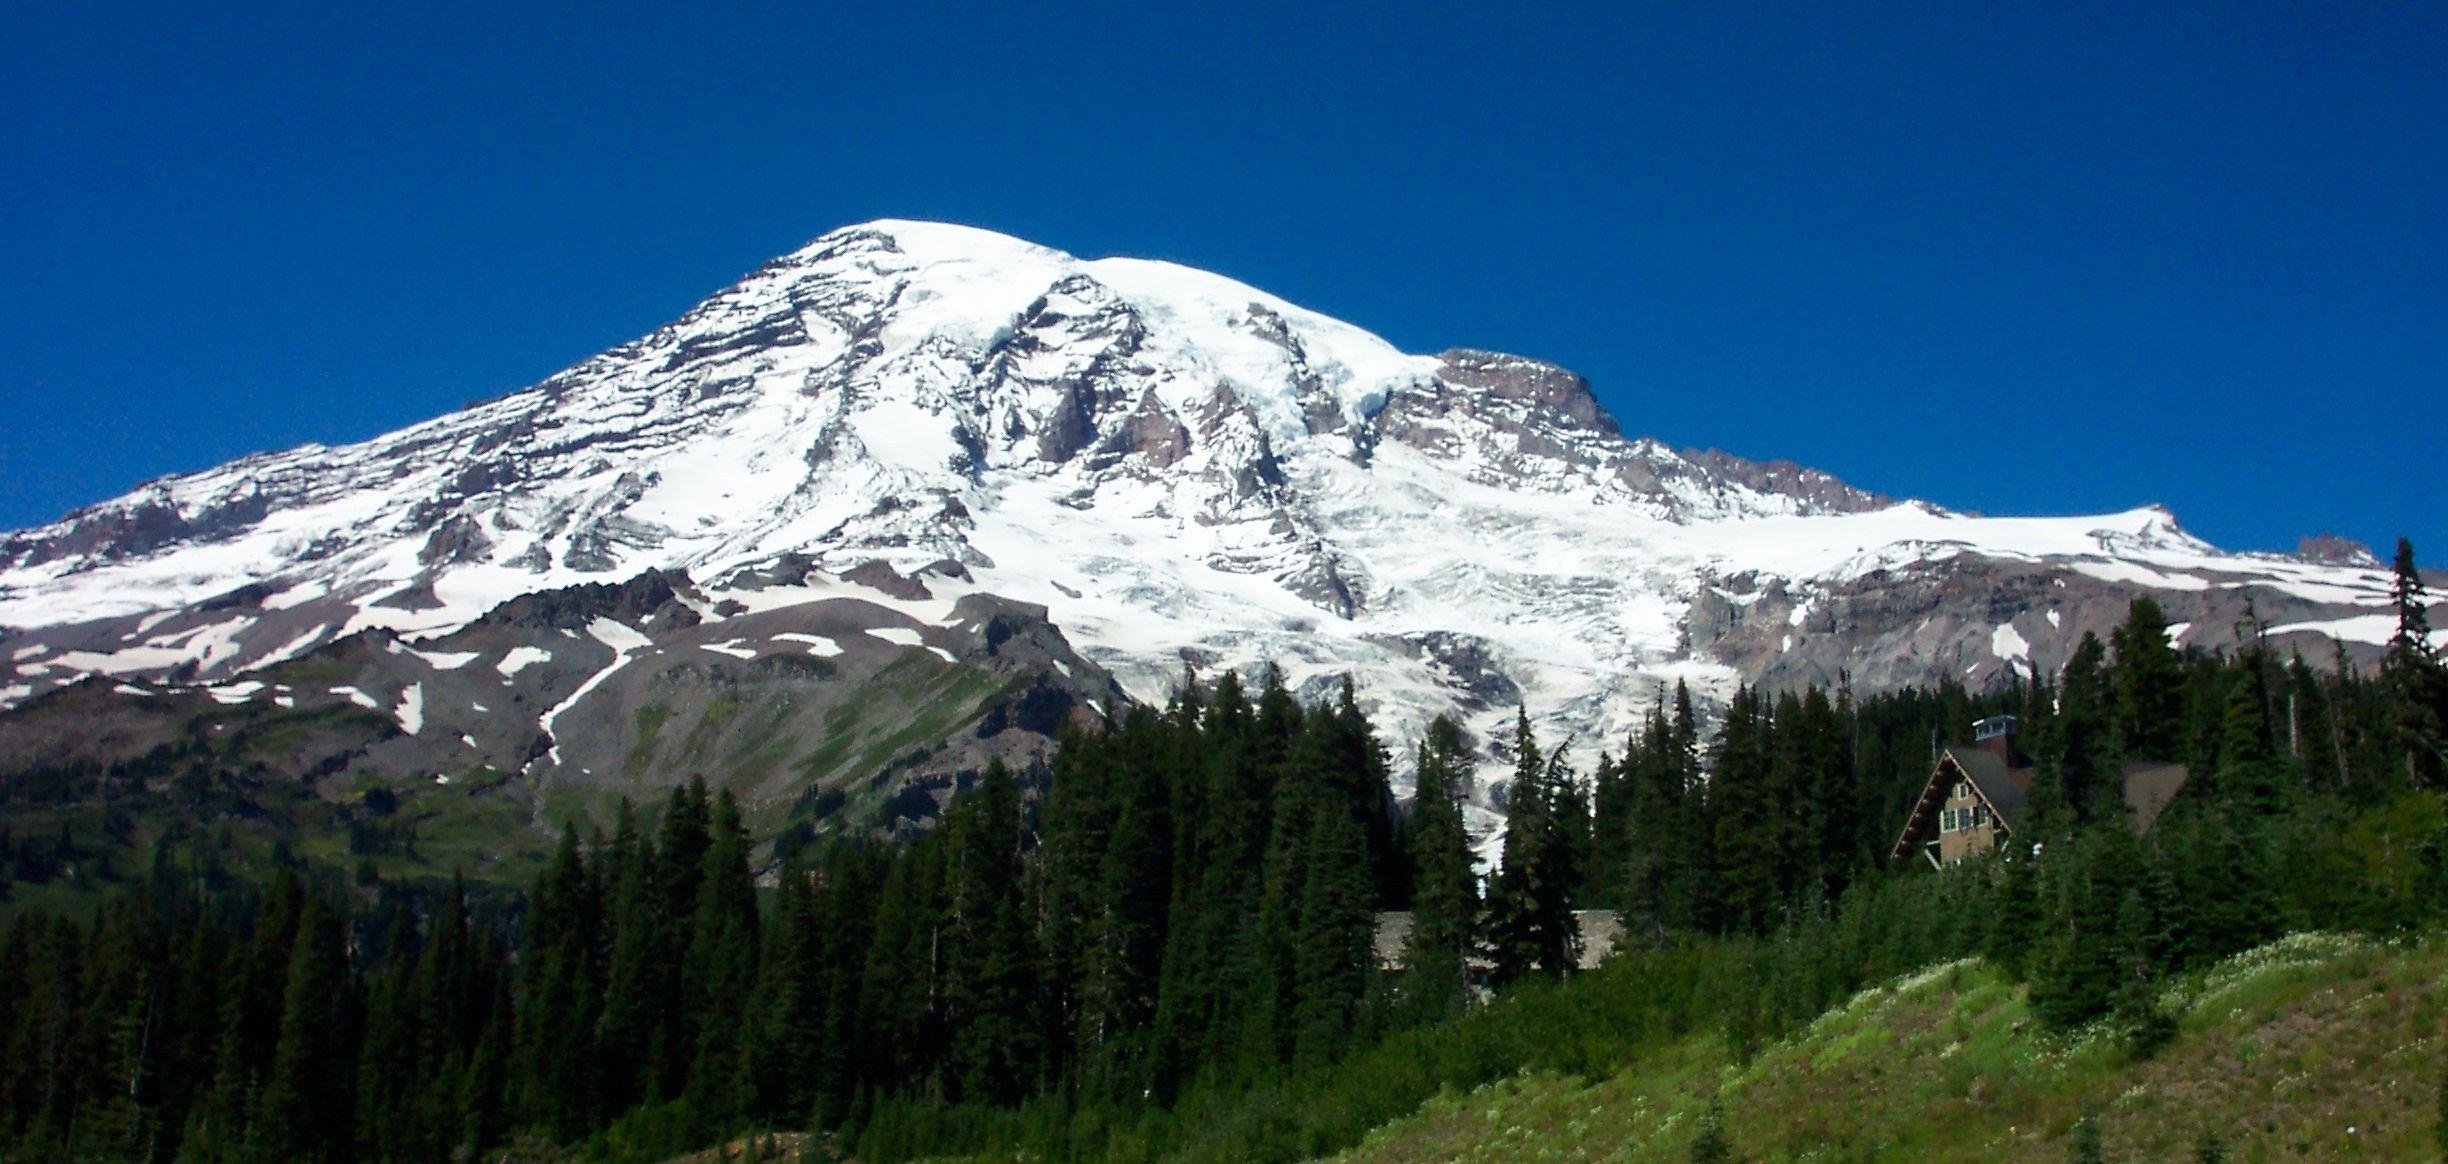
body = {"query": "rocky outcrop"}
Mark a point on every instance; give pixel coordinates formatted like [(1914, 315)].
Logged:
[(1175, 467)]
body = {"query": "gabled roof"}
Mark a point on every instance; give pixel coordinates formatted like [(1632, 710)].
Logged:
[(2149, 786), (2003, 789)]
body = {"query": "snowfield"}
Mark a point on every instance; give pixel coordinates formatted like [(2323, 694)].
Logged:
[(1186, 472)]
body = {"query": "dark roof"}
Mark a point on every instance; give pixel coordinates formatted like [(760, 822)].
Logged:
[(2149, 786), (2004, 788)]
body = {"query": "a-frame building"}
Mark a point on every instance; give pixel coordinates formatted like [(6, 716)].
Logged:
[(1976, 795)]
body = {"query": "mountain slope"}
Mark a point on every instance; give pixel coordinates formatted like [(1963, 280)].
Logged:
[(1183, 471), (2316, 1047)]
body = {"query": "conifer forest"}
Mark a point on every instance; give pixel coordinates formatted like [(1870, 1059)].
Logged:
[(1169, 947)]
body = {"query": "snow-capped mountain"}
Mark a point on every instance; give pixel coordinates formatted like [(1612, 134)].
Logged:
[(1182, 470)]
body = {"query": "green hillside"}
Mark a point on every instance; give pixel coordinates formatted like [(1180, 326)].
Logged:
[(2314, 1047)]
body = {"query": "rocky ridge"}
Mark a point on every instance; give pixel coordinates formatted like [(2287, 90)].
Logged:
[(1182, 472)]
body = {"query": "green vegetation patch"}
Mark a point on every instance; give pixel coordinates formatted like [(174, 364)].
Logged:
[(2318, 1045)]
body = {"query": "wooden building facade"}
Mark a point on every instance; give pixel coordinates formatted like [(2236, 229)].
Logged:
[(1976, 796)]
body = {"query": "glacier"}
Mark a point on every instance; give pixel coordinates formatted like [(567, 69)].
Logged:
[(1188, 473)]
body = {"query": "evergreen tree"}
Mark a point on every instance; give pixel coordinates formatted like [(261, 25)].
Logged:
[(990, 979), (1335, 939), (1821, 779), (1445, 899), (2149, 684), (720, 971), (558, 1077), (2093, 928), (1676, 823), (1358, 769), (2252, 775), (1748, 821), (2074, 749), (788, 1036), (1530, 924), (2415, 679), (304, 1109), (635, 993)]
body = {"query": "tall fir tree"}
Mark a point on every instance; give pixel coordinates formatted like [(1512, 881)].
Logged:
[(561, 948), (1747, 819), (304, 1108), (720, 971), (1445, 896), (2149, 685), (991, 975), (1530, 923), (2414, 678)]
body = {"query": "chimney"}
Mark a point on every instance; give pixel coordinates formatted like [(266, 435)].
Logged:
[(1996, 736)]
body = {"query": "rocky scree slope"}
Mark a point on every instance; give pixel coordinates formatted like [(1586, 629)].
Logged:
[(833, 712), (1180, 470)]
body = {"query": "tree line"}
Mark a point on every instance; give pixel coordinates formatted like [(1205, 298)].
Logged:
[(1186, 916)]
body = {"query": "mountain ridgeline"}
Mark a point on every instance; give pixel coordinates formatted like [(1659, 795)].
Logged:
[(1170, 950), (1173, 467), (941, 695)]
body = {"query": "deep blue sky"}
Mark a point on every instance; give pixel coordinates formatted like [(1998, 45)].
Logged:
[(2039, 260)]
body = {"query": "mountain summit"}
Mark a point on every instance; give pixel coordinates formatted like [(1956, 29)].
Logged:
[(1183, 471)]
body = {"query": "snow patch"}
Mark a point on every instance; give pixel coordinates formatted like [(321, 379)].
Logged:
[(2135, 574), (2008, 643), (357, 697), (2374, 629), (730, 647), (898, 635), (293, 648), (625, 642), (520, 658), (817, 645), (411, 712), (691, 449)]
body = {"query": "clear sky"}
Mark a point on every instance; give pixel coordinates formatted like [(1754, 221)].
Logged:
[(2019, 259)]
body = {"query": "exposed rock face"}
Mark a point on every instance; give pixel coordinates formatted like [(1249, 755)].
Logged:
[(1175, 467), (2332, 550), (565, 699), (1820, 491), (1562, 398)]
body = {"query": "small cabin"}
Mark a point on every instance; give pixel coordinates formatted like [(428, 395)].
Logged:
[(1976, 795)]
